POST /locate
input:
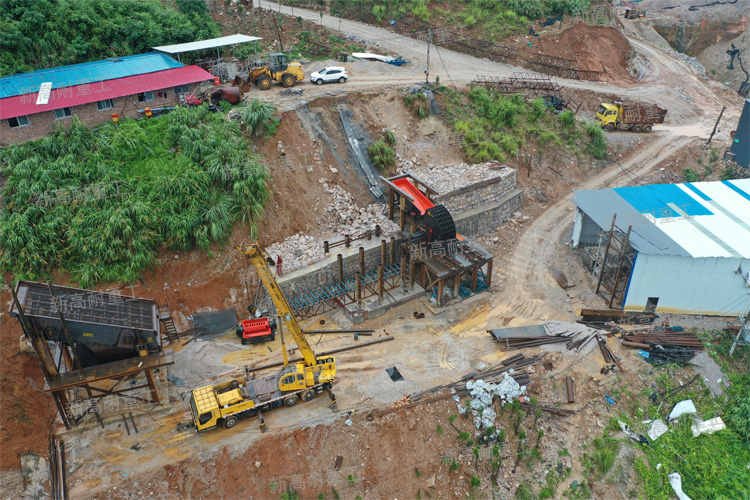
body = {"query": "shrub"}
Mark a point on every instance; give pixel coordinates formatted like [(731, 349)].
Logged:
[(739, 417), (258, 118), (417, 103), (378, 11), (598, 146), (691, 175), (389, 137), (567, 119), (381, 155)]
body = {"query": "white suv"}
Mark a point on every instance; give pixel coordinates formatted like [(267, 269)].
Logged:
[(329, 74)]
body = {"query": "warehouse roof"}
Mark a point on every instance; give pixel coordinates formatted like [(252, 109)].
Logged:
[(207, 44), (91, 72), (99, 91), (699, 219)]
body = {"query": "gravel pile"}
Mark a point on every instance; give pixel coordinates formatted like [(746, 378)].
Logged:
[(447, 178), (297, 251), (382, 388), (344, 217)]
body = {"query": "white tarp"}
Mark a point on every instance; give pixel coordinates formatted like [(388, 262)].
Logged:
[(658, 427), (682, 408), (676, 481), (708, 426), (207, 44), (369, 55)]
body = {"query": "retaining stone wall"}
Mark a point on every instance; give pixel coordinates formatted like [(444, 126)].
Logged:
[(328, 272), (479, 194)]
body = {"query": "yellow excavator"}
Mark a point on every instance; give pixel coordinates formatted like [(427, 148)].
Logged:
[(229, 402)]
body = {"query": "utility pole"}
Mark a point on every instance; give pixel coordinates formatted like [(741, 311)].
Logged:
[(743, 334), (427, 70), (716, 125)]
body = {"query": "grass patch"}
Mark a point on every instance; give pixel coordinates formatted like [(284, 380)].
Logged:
[(493, 127), (599, 460)]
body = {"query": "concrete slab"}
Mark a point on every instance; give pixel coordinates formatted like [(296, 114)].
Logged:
[(711, 373), (372, 307)]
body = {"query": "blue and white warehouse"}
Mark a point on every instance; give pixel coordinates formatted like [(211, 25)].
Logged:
[(691, 243)]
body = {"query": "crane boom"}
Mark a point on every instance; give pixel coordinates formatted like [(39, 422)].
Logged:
[(258, 259)]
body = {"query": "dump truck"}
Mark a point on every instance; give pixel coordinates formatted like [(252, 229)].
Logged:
[(634, 117), (229, 402), (263, 74)]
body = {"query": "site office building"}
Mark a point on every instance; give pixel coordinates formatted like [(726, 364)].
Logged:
[(93, 91), (690, 243)]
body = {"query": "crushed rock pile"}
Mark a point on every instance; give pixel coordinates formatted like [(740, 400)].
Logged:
[(297, 251), (344, 217), (447, 178), (482, 397)]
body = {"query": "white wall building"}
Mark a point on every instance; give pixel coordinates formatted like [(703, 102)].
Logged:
[(691, 242)]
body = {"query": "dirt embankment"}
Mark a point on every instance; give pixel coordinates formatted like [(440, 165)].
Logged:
[(594, 48), (26, 412)]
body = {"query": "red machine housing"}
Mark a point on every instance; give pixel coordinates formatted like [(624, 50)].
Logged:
[(255, 331)]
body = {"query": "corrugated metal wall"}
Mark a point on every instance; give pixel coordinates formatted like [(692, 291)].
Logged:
[(710, 286)]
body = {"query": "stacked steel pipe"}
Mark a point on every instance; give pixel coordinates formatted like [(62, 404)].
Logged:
[(665, 347)]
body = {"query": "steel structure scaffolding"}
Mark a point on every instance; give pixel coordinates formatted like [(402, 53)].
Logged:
[(67, 318)]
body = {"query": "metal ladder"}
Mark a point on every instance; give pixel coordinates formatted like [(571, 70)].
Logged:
[(169, 330)]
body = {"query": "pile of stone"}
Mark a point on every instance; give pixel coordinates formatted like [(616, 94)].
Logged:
[(482, 396), (344, 217), (447, 178), (298, 250)]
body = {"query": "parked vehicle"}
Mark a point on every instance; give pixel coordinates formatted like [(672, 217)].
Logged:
[(634, 117), (229, 402), (329, 74)]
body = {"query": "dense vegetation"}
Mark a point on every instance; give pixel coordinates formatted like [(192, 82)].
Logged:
[(45, 33), (494, 127), (100, 204), (715, 466), (490, 17)]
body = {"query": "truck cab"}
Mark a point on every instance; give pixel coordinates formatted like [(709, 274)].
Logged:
[(607, 114), (298, 376), (215, 404)]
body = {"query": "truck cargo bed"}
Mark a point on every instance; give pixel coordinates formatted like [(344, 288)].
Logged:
[(643, 113)]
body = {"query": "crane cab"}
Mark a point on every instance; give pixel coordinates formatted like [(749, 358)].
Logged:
[(298, 376)]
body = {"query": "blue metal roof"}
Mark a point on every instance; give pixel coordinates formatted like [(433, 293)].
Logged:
[(602, 204), (91, 72), (656, 198)]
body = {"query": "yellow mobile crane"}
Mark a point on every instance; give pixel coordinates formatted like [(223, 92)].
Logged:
[(228, 402)]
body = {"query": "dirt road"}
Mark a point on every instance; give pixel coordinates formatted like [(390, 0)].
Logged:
[(532, 295), (671, 83)]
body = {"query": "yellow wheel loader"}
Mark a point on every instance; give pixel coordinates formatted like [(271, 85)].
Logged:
[(263, 74)]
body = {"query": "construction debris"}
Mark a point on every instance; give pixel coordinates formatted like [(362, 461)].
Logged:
[(483, 394), (570, 389), (665, 347), (708, 426), (682, 408), (658, 427)]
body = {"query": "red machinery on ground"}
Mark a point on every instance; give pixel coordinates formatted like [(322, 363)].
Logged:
[(256, 331)]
